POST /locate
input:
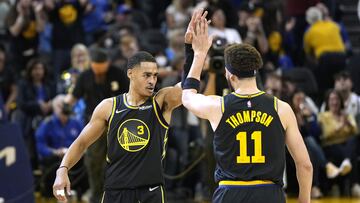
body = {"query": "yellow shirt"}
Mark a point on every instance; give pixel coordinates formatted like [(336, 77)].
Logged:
[(323, 36), (332, 130)]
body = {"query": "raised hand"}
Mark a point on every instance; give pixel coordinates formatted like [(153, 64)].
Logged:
[(20, 9), (196, 16), (201, 41), (37, 6), (190, 29)]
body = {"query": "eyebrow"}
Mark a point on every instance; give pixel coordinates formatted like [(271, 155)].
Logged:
[(147, 73)]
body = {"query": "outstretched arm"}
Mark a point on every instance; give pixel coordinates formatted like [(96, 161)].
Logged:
[(207, 107), (298, 151), (170, 97), (92, 131)]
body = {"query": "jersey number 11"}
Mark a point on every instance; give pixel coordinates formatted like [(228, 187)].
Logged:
[(244, 158)]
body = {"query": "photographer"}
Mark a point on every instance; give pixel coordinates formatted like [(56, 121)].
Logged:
[(53, 138), (216, 83)]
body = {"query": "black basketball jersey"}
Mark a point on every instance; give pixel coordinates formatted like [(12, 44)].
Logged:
[(136, 140), (249, 142)]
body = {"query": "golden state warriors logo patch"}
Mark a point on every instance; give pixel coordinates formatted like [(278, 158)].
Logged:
[(133, 135)]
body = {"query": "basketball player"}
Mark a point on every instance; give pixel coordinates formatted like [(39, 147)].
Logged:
[(251, 129), (137, 124)]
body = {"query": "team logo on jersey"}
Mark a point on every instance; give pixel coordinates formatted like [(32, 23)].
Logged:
[(133, 135)]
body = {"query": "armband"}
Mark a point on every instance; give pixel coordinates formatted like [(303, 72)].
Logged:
[(191, 83)]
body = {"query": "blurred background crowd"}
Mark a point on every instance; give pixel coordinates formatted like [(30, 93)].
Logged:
[(53, 48)]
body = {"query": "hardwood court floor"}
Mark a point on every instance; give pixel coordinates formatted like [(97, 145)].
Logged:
[(291, 200), (39, 199), (329, 200)]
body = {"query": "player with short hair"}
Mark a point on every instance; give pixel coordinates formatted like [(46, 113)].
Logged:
[(251, 129), (137, 125)]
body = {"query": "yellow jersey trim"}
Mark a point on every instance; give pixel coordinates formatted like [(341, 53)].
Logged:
[(246, 183), (109, 123), (157, 115), (162, 194), (103, 196), (163, 155), (127, 104), (248, 95), (222, 105), (112, 113), (275, 104)]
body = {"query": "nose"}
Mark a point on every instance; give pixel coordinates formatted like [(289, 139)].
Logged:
[(152, 80)]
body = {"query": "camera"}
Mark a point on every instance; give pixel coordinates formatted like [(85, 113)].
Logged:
[(217, 61)]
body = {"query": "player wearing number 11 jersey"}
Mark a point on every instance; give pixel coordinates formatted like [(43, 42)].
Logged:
[(251, 130)]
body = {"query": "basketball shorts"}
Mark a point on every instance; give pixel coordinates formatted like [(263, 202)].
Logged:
[(254, 193), (154, 194)]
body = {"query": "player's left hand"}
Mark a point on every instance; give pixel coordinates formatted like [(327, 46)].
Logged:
[(61, 185)]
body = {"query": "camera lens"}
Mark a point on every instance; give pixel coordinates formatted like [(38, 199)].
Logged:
[(218, 42), (217, 63)]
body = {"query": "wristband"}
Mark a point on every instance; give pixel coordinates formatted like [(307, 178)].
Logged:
[(191, 83)]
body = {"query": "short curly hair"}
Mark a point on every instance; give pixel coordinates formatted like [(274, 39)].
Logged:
[(243, 57)]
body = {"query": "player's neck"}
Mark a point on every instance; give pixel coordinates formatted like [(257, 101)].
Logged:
[(246, 86), (134, 99)]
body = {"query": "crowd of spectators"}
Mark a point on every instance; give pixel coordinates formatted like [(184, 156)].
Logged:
[(79, 48)]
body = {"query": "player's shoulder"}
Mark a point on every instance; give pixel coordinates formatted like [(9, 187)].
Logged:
[(283, 104), (107, 101), (284, 108), (104, 108), (285, 112)]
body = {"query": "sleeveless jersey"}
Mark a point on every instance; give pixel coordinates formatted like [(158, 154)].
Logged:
[(136, 140), (249, 142)]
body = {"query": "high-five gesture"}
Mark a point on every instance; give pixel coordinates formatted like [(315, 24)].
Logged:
[(201, 40), (196, 16)]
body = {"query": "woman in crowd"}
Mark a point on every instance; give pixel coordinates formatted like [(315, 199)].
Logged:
[(338, 137), (34, 101), (310, 130)]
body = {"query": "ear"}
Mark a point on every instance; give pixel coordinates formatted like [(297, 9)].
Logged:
[(233, 78), (129, 73)]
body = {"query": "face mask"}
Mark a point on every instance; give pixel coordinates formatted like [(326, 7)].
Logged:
[(67, 109), (161, 61)]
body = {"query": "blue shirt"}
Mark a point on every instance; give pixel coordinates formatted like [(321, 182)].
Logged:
[(94, 20), (52, 134), (41, 93)]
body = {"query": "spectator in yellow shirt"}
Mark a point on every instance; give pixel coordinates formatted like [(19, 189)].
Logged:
[(323, 42), (338, 138)]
